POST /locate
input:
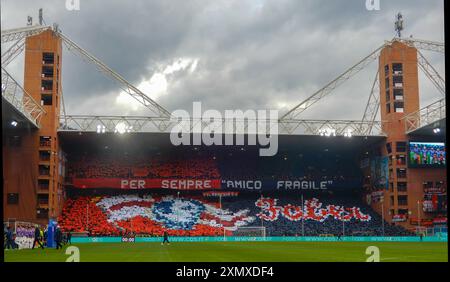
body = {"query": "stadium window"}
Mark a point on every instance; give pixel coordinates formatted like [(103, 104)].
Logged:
[(44, 170), (391, 187), (48, 58), (402, 200), (388, 108), (47, 71), (398, 94), (47, 85), (401, 173), (392, 201), (44, 156), (401, 147), (43, 184), (42, 199), (397, 68), (428, 184), (402, 187), (386, 70), (386, 82), (399, 107), (397, 81), (388, 95), (403, 211), (42, 213), (46, 99), (401, 159), (15, 141), (45, 141), (12, 199)]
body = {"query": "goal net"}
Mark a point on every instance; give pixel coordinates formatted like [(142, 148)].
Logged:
[(257, 231)]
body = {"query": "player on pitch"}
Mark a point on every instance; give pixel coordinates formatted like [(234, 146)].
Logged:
[(166, 238)]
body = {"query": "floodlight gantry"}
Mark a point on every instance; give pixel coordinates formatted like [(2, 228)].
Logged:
[(288, 123), (124, 84), (14, 93), (425, 116)]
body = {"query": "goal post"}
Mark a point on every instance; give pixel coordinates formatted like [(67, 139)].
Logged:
[(256, 231)]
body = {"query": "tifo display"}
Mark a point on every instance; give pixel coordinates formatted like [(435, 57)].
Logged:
[(196, 215)]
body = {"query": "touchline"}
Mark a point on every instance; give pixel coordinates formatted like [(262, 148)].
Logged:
[(212, 128)]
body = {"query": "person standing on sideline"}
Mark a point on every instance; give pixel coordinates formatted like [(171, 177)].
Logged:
[(37, 238), (166, 238), (41, 232), (45, 235), (69, 237), (9, 238), (58, 238)]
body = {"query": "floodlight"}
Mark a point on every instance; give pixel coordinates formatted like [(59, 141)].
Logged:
[(348, 133), (120, 128)]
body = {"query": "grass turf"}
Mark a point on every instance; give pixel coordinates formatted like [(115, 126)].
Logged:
[(239, 252)]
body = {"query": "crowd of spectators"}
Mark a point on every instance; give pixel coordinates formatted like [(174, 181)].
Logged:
[(236, 167), (289, 167), (92, 215), (83, 215), (111, 166), (285, 227)]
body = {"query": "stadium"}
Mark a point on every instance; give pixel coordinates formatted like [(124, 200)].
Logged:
[(116, 185)]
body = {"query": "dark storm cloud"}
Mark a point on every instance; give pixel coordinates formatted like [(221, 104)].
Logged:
[(252, 54)]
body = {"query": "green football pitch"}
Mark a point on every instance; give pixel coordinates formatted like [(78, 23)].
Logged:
[(239, 252)]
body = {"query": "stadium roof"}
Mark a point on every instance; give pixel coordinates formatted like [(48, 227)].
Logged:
[(428, 130), (148, 142), (10, 114)]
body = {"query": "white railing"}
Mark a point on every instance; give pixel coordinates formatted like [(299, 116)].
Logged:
[(13, 93), (425, 116)]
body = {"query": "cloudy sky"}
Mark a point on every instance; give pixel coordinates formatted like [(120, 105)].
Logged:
[(228, 54)]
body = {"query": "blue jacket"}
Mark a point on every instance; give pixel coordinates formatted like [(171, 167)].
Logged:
[(9, 235)]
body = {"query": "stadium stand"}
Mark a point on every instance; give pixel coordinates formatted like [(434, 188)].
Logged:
[(105, 166), (195, 215), (304, 166), (83, 215), (112, 212)]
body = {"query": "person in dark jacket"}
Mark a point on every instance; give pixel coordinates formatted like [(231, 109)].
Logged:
[(166, 238), (37, 238), (9, 238), (58, 238), (14, 244), (69, 237), (45, 236)]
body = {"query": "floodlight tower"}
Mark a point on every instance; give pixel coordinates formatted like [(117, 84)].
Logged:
[(399, 96), (35, 168), (402, 185)]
